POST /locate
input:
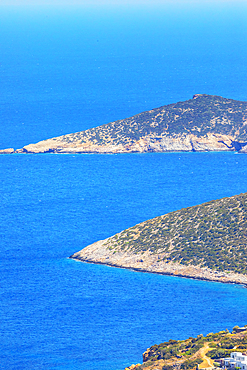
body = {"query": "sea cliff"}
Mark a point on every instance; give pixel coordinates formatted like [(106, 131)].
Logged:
[(204, 123)]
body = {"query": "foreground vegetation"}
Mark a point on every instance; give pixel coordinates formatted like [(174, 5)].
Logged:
[(213, 235), (191, 353)]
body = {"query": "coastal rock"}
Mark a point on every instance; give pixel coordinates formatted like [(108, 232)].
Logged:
[(132, 367), (204, 123), (193, 353), (7, 151), (243, 149), (164, 143), (148, 262), (200, 242)]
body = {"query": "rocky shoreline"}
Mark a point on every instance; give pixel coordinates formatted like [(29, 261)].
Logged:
[(201, 352), (201, 124), (148, 262), (164, 143)]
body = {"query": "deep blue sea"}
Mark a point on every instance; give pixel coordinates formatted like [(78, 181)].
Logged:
[(68, 69)]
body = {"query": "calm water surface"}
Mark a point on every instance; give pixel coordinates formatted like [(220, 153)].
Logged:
[(65, 70), (57, 313)]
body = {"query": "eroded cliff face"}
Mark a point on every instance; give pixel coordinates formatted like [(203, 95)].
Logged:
[(150, 143)]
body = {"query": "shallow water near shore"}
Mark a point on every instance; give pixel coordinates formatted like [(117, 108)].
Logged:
[(58, 313)]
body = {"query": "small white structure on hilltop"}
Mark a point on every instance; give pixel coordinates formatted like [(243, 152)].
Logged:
[(237, 359)]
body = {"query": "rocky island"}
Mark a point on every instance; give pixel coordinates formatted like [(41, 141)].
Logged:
[(212, 351), (204, 123), (207, 241)]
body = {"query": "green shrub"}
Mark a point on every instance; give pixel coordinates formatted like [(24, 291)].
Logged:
[(218, 353), (188, 364)]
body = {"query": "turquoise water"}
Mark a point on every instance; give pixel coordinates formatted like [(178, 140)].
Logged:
[(65, 70)]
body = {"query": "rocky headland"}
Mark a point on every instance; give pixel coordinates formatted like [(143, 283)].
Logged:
[(202, 352), (204, 123), (208, 242)]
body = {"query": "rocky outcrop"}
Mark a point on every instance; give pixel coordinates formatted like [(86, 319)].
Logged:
[(200, 352), (149, 262), (201, 242), (243, 149), (204, 123), (7, 151), (133, 367), (164, 143)]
